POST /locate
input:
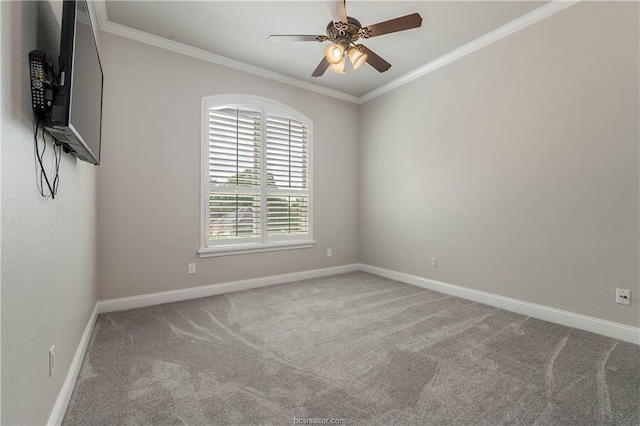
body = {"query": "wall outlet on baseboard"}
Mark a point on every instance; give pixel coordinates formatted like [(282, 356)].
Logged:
[(434, 262), (329, 253), (192, 268), (52, 360), (623, 296)]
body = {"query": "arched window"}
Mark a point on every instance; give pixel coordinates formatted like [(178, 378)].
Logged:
[(256, 176)]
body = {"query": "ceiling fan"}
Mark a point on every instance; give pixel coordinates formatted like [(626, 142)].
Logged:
[(344, 31)]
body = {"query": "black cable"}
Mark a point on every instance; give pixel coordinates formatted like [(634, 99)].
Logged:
[(57, 152), (39, 162), (40, 159), (53, 189), (35, 157)]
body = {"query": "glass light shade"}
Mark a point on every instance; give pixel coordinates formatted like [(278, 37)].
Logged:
[(334, 53), (337, 68), (357, 58)]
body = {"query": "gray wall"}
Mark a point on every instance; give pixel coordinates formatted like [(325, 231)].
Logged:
[(515, 166), (149, 180), (48, 264)]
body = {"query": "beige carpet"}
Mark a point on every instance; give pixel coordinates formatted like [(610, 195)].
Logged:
[(356, 347)]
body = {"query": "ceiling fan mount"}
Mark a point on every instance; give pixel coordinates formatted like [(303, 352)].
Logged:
[(338, 31), (344, 31)]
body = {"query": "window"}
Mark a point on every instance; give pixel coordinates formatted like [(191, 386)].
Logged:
[(256, 176)]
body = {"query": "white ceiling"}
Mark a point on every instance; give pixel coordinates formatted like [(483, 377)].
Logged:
[(239, 30)]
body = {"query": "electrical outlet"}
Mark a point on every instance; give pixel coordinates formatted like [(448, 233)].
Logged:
[(192, 268), (623, 296), (434, 262), (52, 360), (329, 253)]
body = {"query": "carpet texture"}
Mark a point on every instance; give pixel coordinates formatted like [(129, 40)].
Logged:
[(356, 347)]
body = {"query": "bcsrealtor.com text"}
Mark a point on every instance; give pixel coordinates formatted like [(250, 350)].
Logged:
[(318, 421)]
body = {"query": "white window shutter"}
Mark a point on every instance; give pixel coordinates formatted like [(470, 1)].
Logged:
[(234, 147), (256, 159), (234, 173), (287, 177)]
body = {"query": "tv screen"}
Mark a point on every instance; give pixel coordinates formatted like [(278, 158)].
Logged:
[(86, 83), (77, 109)]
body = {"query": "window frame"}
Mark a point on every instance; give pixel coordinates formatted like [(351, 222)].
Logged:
[(265, 243)]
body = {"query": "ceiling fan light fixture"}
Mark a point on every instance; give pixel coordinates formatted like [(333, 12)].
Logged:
[(338, 68), (357, 57), (343, 31), (334, 53)]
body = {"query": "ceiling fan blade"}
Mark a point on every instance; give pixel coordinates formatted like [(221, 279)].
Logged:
[(321, 68), (391, 26), (376, 61), (286, 38), (338, 10)]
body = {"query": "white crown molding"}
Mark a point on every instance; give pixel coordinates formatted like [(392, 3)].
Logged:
[(516, 25), (174, 46), (100, 9), (570, 319), (60, 407), (152, 299)]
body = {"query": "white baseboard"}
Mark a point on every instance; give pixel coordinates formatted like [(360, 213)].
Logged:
[(570, 319), (215, 289), (558, 316), (60, 407)]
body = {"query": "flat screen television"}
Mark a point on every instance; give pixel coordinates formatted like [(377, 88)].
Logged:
[(76, 113)]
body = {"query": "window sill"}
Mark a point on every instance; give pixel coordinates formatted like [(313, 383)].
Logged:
[(230, 250)]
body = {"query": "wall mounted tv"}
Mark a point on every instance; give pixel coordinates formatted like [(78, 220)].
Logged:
[(76, 113)]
